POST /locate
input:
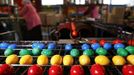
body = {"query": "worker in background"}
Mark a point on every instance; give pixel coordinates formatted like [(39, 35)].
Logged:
[(33, 21), (127, 14)]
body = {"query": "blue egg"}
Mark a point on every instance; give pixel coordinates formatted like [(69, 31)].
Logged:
[(12, 46), (4, 45), (51, 46), (85, 46), (34, 45), (68, 47), (107, 46), (95, 46), (40, 46), (119, 45)]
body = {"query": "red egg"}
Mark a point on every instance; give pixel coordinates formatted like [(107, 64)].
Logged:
[(55, 70), (102, 42), (97, 69), (131, 42), (35, 70), (6, 69), (128, 70), (93, 41), (77, 70), (117, 41)]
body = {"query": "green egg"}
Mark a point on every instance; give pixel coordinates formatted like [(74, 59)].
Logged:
[(130, 49), (88, 52), (36, 51), (25, 52), (47, 52), (122, 52), (8, 52), (74, 52), (101, 51)]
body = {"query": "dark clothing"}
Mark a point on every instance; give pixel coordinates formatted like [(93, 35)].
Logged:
[(34, 34), (127, 14)]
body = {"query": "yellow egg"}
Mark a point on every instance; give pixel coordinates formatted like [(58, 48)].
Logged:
[(42, 60), (84, 60), (68, 60), (102, 60), (26, 59), (56, 60), (12, 59), (118, 60), (130, 59)]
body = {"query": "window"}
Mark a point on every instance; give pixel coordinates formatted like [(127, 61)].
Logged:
[(52, 2), (119, 2)]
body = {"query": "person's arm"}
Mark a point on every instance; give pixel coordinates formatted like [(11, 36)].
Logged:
[(23, 11)]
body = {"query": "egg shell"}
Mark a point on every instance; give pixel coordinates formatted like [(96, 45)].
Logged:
[(85, 46), (68, 60), (102, 60), (130, 59), (84, 60), (68, 47), (26, 59), (42, 60), (118, 60), (95, 46), (12, 59), (35, 70), (56, 60)]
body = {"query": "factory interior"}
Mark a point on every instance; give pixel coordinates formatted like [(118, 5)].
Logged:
[(66, 37)]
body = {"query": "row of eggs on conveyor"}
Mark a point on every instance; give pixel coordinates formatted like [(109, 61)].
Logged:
[(95, 69), (52, 45), (119, 48), (68, 60)]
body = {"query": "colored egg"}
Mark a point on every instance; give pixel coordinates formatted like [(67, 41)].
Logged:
[(101, 51), (95, 46), (74, 52), (51, 46), (84, 60), (34, 45), (42, 60), (97, 69), (102, 60), (4, 45), (131, 42), (85, 46), (68, 47), (88, 52), (12, 59), (130, 59), (6, 69), (25, 52), (26, 59), (102, 42), (119, 45), (36, 51), (130, 49), (118, 60), (55, 70), (128, 70), (8, 52), (41, 46), (93, 41), (107, 46), (56, 60), (35, 70), (77, 70), (38, 45), (117, 41), (122, 52), (47, 52), (12, 46), (68, 60)]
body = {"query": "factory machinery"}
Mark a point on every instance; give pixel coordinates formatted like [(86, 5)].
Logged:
[(94, 56)]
